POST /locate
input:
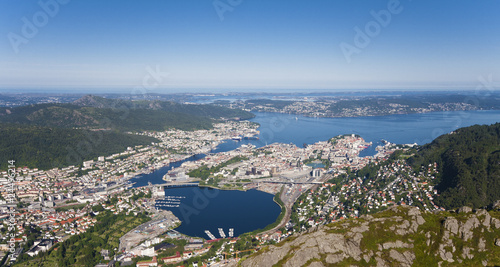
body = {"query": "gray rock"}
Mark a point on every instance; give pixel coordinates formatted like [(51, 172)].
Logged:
[(406, 258), (334, 258), (496, 205), (353, 250), (413, 211), (368, 256), (366, 217), (360, 229), (465, 209), (497, 242), (482, 244), (380, 262), (316, 264), (495, 222), (487, 218), (466, 253), (466, 229), (451, 224), (420, 220), (303, 255), (401, 258), (449, 257), (397, 244)]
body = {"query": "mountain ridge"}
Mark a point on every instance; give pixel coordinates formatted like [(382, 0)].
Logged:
[(398, 236)]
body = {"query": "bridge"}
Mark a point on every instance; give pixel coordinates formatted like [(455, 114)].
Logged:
[(194, 184)]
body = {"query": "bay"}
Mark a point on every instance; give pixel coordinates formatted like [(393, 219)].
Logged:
[(248, 211), (204, 208)]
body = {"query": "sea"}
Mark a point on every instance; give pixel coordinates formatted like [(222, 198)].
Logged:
[(210, 209)]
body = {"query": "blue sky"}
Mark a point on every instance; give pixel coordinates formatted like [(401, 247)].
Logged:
[(253, 45)]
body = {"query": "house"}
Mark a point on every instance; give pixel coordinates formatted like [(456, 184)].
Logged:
[(173, 259), (147, 263), (40, 246)]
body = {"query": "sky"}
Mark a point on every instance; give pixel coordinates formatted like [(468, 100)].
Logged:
[(245, 45)]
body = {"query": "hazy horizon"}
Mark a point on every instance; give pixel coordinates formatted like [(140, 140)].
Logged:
[(221, 45)]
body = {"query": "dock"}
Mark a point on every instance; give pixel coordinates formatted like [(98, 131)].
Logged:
[(210, 235), (221, 233)]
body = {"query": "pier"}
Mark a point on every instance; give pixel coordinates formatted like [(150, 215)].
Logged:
[(221, 233), (210, 235)]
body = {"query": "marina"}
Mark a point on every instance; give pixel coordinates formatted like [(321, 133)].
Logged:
[(169, 202), (210, 235), (251, 210), (221, 233)]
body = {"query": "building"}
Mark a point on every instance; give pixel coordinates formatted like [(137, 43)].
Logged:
[(147, 263), (173, 259), (40, 246)]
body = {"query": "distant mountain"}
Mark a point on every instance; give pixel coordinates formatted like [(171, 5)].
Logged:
[(469, 166), (39, 135), (205, 110), (400, 236), (124, 115), (46, 148)]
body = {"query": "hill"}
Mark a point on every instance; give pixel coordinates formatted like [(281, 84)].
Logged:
[(468, 161), (92, 112), (400, 236), (202, 110), (46, 148)]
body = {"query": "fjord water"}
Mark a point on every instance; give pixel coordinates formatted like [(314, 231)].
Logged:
[(248, 211), (400, 129), (203, 209)]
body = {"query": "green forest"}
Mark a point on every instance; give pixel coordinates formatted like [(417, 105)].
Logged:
[(52, 135), (94, 112), (46, 148), (469, 166)]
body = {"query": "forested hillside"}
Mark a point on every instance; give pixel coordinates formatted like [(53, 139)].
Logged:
[(45, 148), (45, 135), (123, 115), (469, 166), (200, 110)]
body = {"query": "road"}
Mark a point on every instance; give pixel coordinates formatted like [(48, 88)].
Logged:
[(289, 199)]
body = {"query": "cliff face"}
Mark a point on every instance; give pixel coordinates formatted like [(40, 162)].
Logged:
[(400, 236)]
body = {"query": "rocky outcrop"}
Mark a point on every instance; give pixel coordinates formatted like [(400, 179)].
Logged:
[(465, 209), (496, 205), (392, 238)]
